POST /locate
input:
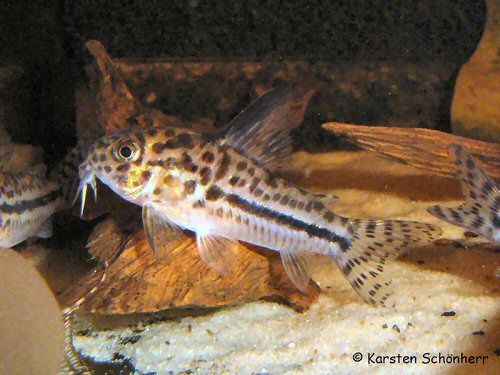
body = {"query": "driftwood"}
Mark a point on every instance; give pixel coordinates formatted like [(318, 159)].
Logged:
[(422, 148), (112, 101), (135, 282)]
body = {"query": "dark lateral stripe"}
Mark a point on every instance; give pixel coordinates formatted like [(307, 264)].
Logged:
[(30, 205), (288, 221)]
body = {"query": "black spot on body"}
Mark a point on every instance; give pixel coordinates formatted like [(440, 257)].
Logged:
[(187, 163), (318, 206), (223, 166), (208, 157), (123, 168), (205, 174), (271, 180), (241, 166), (189, 187), (254, 184), (487, 187), (470, 163), (185, 140), (329, 216), (140, 137), (152, 132), (157, 148), (233, 180), (496, 221), (156, 163), (213, 193)]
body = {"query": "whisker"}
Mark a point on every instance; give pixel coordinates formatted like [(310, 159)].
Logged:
[(84, 195)]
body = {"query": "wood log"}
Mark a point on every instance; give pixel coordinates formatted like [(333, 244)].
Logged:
[(421, 148)]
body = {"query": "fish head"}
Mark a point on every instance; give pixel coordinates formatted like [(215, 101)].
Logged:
[(132, 163), (117, 161)]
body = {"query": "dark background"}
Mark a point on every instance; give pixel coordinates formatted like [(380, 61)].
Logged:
[(45, 39)]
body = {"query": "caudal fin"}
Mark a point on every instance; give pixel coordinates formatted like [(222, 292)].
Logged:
[(373, 244), (481, 212)]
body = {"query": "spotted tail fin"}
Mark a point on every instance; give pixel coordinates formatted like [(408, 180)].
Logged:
[(481, 212), (373, 244)]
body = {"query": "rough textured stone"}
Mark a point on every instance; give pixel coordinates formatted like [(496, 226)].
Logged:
[(32, 339), (475, 111)]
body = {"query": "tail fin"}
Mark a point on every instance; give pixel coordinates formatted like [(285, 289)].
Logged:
[(373, 243), (481, 212)]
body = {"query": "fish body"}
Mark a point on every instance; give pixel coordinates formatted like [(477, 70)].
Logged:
[(27, 202), (222, 188), (481, 211)]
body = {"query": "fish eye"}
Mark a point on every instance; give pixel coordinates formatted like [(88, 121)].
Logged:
[(126, 152)]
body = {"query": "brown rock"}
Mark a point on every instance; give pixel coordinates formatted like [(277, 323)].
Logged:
[(32, 340)]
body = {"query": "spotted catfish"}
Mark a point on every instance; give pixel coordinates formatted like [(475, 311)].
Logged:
[(27, 200), (481, 212), (221, 187)]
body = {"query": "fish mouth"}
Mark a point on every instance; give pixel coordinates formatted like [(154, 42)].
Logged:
[(86, 180)]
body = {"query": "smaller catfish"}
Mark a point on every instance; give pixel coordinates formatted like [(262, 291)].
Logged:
[(222, 188), (27, 201), (480, 213)]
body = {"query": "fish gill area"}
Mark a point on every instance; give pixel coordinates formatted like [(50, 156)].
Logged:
[(71, 72)]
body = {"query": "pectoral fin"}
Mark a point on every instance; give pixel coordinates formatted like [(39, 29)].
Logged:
[(39, 170), (161, 233), (45, 231)]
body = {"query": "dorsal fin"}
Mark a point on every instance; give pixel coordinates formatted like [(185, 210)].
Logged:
[(262, 130)]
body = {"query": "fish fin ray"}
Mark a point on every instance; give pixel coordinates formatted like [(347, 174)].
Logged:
[(328, 200), (296, 264), (45, 230), (372, 245), (262, 130), (481, 211), (217, 252), (160, 232), (39, 170)]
